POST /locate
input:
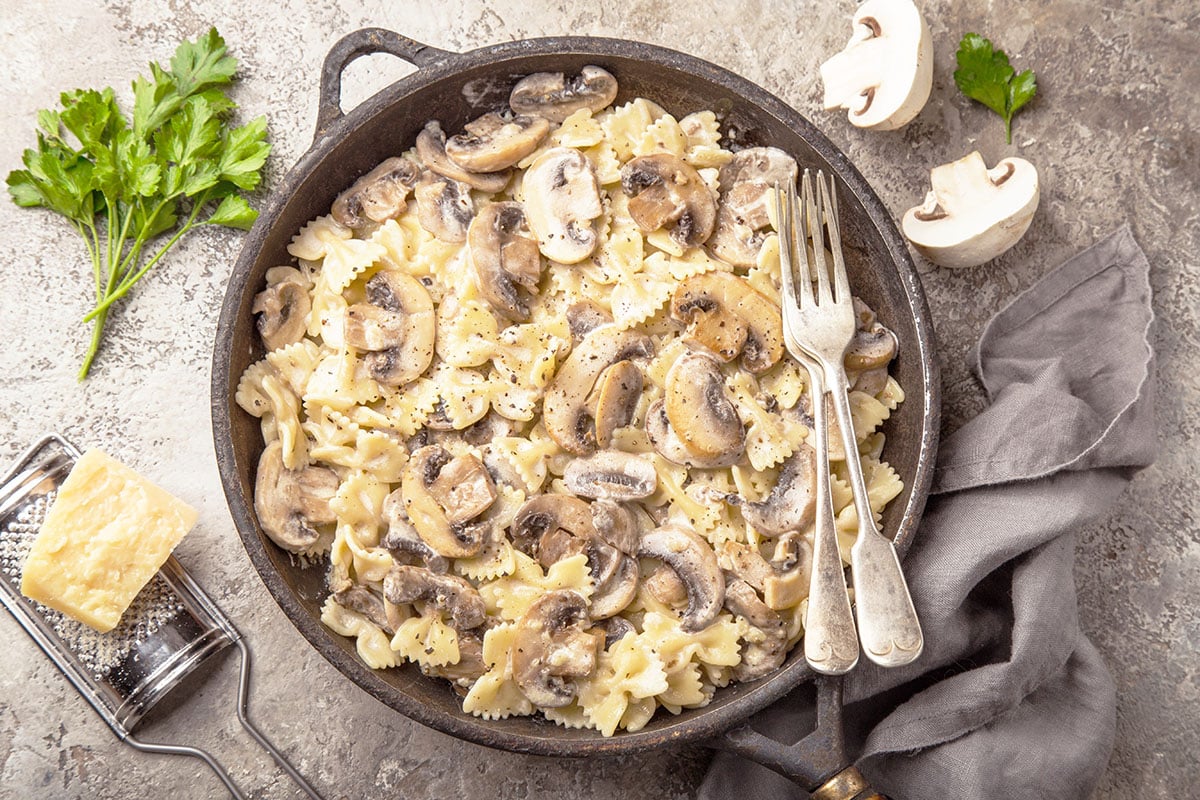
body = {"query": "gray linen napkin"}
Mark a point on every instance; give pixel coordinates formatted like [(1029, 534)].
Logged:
[(1009, 698)]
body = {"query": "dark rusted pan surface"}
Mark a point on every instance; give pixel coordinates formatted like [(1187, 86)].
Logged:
[(455, 88)]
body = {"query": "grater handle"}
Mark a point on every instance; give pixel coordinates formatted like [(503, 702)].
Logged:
[(184, 750)]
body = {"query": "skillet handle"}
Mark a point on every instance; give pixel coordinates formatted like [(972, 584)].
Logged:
[(817, 762), (365, 42)]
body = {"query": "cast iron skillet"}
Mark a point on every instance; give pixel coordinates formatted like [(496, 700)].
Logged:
[(456, 87)]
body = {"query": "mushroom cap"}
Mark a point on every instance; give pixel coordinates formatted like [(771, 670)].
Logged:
[(613, 595), (289, 503), (729, 316), (552, 649), (669, 445), (444, 207), (504, 254), (614, 399), (449, 594), (615, 524), (378, 196), (664, 190), (543, 514), (427, 514), (402, 538), (562, 200), (699, 409), (283, 308), (973, 214), (551, 95), (431, 149), (564, 408), (792, 502), (689, 554), (611, 475), (400, 333), (884, 74), (492, 143), (743, 220)]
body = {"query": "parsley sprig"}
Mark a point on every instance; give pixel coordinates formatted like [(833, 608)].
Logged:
[(984, 74), (124, 184)]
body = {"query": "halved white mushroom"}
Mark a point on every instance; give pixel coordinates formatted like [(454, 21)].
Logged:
[(666, 191), (493, 143), (669, 445), (504, 255), (884, 74), (564, 409), (743, 220), (973, 214), (397, 326), (544, 515), (551, 95), (562, 201), (444, 207), (552, 649), (440, 512), (611, 475), (448, 594), (378, 196), (431, 148), (699, 409), (686, 552), (791, 505), (730, 317), (283, 308), (290, 502)]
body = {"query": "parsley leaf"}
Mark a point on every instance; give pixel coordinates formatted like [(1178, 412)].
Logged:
[(985, 75), (175, 164)]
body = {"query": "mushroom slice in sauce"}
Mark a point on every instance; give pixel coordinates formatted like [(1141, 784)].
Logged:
[(791, 505), (402, 539), (614, 523), (699, 409), (551, 95), (694, 561), (504, 255), (397, 325), (552, 648), (743, 222), (564, 410), (664, 190), (431, 149), (612, 596), (282, 308), (763, 657), (729, 317), (562, 201), (427, 513), (290, 502), (365, 602), (614, 399), (611, 475), (493, 143), (449, 594), (545, 514), (669, 445), (378, 196), (444, 207)]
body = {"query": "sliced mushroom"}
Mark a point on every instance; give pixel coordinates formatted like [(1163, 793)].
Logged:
[(397, 325), (664, 585), (464, 488), (745, 562), (283, 308), (758, 658), (694, 561), (564, 409), (789, 581), (552, 649), (365, 602), (431, 148), (289, 503), (551, 95), (562, 201), (492, 143), (504, 255), (743, 218), (614, 523), (615, 629), (699, 409), (873, 345), (402, 538), (584, 317), (444, 207), (614, 399), (611, 475), (449, 594), (664, 190), (470, 666), (378, 196), (613, 595), (427, 514), (544, 514), (729, 316), (791, 505), (669, 445)]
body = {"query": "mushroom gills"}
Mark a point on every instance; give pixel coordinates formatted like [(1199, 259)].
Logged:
[(552, 648), (505, 256), (694, 561), (283, 308), (611, 475), (791, 504), (700, 411), (742, 224), (448, 594), (444, 207), (378, 196), (551, 95), (492, 143), (290, 503), (431, 149), (728, 316)]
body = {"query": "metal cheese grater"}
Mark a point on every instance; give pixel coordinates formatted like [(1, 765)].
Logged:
[(169, 630)]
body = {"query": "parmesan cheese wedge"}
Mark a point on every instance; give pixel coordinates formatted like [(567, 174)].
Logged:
[(105, 536)]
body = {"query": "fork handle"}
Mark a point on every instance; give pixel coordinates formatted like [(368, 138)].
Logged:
[(887, 621)]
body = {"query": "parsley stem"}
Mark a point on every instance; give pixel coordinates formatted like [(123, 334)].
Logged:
[(94, 346)]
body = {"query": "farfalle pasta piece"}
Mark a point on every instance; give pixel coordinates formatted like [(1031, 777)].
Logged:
[(717, 644), (527, 457), (426, 640), (410, 407), (372, 644), (892, 395), (867, 414), (495, 694), (262, 394), (578, 130), (511, 596), (467, 332), (624, 125), (770, 438), (685, 689), (703, 134), (628, 671), (636, 298), (338, 382), (295, 363), (316, 237), (662, 136), (605, 162)]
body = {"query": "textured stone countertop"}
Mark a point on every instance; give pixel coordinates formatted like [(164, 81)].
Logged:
[(1113, 132)]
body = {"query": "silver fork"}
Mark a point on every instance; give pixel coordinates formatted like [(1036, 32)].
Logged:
[(822, 325)]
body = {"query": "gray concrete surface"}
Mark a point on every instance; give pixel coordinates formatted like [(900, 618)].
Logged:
[(1113, 131)]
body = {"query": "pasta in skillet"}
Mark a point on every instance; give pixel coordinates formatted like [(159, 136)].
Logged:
[(525, 394)]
